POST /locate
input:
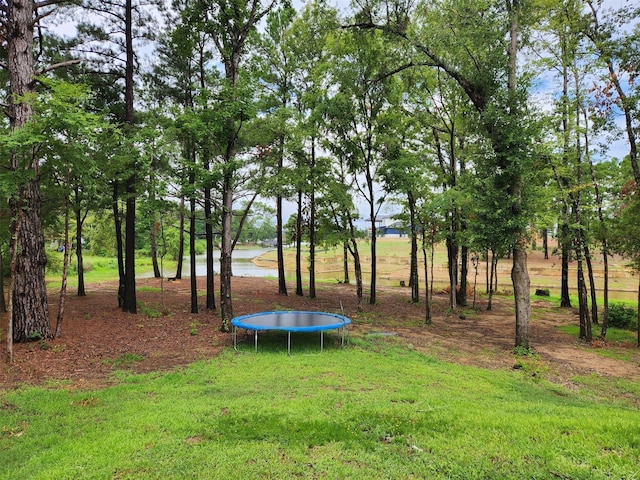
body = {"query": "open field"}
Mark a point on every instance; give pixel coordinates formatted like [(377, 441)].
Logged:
[(394, 262)]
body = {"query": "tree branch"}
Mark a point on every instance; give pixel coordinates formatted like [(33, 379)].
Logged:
[(473, 91), (46, 3), (58, 65)]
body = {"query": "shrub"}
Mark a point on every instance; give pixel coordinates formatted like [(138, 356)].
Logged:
[(623, 316), (54, 261)]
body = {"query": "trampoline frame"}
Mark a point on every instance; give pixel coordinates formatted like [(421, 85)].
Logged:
[(243, 322)]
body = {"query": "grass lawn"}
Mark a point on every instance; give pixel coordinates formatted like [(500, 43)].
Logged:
[(377, 409)]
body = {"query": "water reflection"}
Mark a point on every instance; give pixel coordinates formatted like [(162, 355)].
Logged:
[(241, 264)]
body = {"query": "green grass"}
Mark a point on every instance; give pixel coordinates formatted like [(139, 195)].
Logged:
[(100, 269), (555, 299), (614, 335), (374, 410), (123, 361)]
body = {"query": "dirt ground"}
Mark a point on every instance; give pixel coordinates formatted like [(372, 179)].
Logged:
[(97, 338)]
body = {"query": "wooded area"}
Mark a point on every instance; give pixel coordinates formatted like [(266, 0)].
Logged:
[(139, 127)]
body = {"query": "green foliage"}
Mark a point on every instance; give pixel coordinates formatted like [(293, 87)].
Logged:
[(54, 261), (522, 351), (151, 311), (623, 316)]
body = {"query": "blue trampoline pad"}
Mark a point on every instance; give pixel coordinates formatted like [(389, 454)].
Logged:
[(291, 321)]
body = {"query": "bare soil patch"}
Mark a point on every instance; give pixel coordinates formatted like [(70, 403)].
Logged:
[(97, 338)]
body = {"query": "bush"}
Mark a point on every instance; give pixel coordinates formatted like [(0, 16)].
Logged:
[(54, 261), (623, 316)]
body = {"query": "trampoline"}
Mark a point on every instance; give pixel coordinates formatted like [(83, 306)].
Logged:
[(290, 321)]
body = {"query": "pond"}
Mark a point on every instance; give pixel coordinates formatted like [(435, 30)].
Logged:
[(241, 264)]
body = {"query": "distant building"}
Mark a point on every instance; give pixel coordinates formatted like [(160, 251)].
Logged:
[(389, 227)]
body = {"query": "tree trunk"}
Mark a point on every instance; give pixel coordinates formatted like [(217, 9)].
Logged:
[(65, 262), (565, 230), (521, 289), (180, 258), (519, 272), (79, 252), (428, 311), (226, 305), (154, 245), (29, 310), (414, 281), (374, 262), (464, 270), (282, 281), (312, 224), (452, 259), (603, 232), (464, 249), (345, 263), (545, 243), (130, 301), (487, 269), (605, 306), (299, 291), (211, 296), (638, 315), (3, 304), (374, 230), (565, 299), (193, 280), (493, 273), (155, 224), (475, 259), (117, 220), (592, 284), (585, 322), (353, 248), (30, 306), (12, 276), (208, 206)]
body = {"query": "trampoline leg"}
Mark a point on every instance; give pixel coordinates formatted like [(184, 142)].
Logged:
[(289, 343), (343, 329), (256, 340), (234, 334), (321, 340)]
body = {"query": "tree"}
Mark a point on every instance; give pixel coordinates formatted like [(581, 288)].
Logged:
[(619, 54), (337, 218), (276, 65), (361, 118), (616, 47), (110, 46), (626, 233), (229, 24), (29, 314), (481, 56), (181, 80), (566, 26), (309, 34), (71, 133), (407, 171)]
